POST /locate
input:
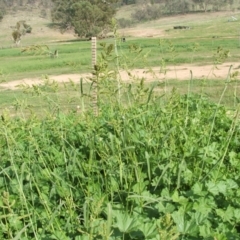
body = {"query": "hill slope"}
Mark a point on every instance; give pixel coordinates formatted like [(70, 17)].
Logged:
[(41, 30)]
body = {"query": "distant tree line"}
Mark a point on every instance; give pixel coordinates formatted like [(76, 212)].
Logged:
[(195, 5), (185, 5), (154, 9)]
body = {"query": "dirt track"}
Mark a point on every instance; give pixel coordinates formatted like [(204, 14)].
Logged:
[(182, 72)]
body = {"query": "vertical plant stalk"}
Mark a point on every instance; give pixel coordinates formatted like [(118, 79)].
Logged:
[(117, 59), (214, 118), (21, 192), (95, 83), (118, 71), (189, 90), (95, 97), (231, 131), (109, 221), (82, 95)]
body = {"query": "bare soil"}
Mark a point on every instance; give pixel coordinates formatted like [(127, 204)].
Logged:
[(182, 72)]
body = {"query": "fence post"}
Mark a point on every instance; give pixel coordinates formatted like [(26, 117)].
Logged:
[(94, 51)]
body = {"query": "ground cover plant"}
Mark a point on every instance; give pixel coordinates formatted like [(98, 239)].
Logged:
[(134, 163)]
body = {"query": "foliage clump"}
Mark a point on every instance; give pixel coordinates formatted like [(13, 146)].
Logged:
[(152, 167), (21, 29), (87, 18), (142, 165)]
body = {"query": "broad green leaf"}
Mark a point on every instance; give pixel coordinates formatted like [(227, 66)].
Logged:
[(199, 217), (179, 199), (165, 193), (205, 229), (198, 189), (179, 220), (222, 187), (213, 188), (231, 184), (149, 229), (227, 215), (237, 214), (204, 205), (125, 223), (220, 236), (139, 187), (184, 226), (165, 207)]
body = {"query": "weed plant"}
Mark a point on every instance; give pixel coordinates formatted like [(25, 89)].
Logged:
[(144, 165)]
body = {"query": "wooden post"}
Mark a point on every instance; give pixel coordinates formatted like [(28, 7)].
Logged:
[(94, 51)]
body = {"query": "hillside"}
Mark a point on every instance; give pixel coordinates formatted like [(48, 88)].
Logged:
[(43, 33), (37, 14), (41, 30)]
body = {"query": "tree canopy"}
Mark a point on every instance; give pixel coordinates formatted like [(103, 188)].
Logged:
[(86, 17)]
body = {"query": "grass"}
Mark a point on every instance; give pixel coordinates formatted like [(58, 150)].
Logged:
[(72, 58), (76, 57), (68, 97), (211, 89), (50, 96)]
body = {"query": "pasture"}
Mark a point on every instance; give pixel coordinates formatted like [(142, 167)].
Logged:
[(138, 150)]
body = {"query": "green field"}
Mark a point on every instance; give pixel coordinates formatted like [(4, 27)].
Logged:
[(76, 56), (195, 45), (146, 53), (117, 160)]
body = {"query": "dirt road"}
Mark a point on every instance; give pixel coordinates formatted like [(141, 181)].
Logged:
[(182, 72)]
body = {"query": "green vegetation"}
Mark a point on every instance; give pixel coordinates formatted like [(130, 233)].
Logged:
[(72, 58), (76, 56), (143, 11), (88, 18), (136, 164)]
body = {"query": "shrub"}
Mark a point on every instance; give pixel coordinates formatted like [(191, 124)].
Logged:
[(124, 22), (43, 13), (148, 12), (1, 14), (27, 27)]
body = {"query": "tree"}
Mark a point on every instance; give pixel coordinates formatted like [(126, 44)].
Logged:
[(86, 17), (204, 3), (176, 6), (16, 35)]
